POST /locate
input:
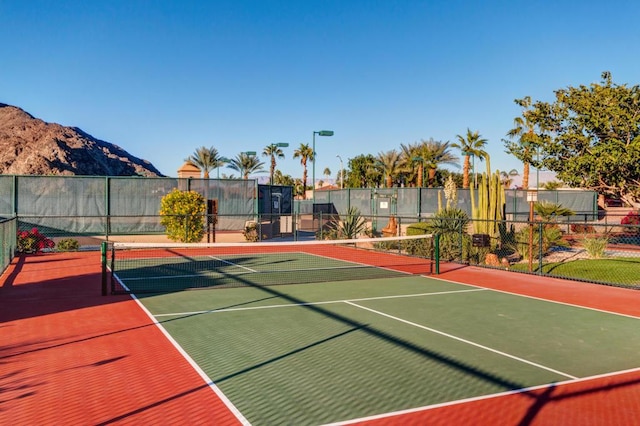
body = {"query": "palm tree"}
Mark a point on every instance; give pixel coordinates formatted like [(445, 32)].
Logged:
[(471, 144), (410, 157), (305, 153), (390, 164), (507, 178), (206, 159), (327, 173), (434, 154), (272, 151), (246, 164), (524, 130)]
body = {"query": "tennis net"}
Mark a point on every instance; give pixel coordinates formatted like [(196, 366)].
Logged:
[(155, 268)]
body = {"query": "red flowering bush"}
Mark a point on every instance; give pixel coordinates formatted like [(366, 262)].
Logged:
[(632, 220), (33, 241)]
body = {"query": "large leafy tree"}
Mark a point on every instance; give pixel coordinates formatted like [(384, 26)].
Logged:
[(273, 151), (590, 137), (305, 153), (246, 164), (471, 144), (206, 159), (363, 172)]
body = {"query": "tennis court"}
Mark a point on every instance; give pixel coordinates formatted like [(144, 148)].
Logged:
[(345, 341)]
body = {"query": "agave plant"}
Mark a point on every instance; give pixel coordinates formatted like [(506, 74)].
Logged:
[(352, 225)]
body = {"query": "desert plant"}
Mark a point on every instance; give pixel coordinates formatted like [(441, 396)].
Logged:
[(182, 214), (595, 246), (68, 244), (551, 237), (352, 225)]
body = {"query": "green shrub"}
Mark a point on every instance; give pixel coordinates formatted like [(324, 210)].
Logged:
[(182, 214), (451, 224), (68, 244), (595, 246)]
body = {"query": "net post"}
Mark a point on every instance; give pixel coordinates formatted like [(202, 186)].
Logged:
[(103, 261), (436, 252)]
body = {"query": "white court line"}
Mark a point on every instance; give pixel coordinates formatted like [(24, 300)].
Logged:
[(469, 342), (232, 264), (195, 366), (478, 398), (289, 305), (573, 305)]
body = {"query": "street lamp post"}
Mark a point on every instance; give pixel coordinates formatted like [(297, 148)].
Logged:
[(341, 172), (313, 148)]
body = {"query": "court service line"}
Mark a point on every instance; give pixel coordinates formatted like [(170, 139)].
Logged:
[(290, 305), (460, 339), (232, 264)]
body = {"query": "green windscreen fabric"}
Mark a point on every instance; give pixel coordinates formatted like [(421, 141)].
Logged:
[(7, 195), (54, 204)]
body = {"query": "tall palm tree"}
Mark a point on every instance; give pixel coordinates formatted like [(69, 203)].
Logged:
[(390, 164), (273, 151), (434, 154), (327, 173), (246, 164), (412, 164), (471, 144), (524, 131), (206, 159), (305, 152)]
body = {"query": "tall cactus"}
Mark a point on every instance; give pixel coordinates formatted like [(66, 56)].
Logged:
[(488, 208)]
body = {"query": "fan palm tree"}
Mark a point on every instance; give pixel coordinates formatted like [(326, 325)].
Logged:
[(273, 151), (471, 144), (434, 154), (390, 164), (246, 164), (524, 131), (206, 159), (412, 164), (507, 178), (305, 152)]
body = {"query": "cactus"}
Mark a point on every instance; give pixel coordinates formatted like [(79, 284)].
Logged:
[(488, 208)]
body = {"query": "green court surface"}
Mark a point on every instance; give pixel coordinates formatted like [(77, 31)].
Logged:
[(335, 351)]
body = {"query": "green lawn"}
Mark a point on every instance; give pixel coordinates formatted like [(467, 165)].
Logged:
[(615, 270)]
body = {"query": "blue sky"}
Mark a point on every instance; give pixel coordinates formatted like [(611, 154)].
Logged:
[(161, 78)]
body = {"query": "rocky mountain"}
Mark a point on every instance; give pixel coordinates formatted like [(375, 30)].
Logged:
[(30, 146)]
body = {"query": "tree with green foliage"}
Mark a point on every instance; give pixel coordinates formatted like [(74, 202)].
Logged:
[(273, 151), (246, 164), (524, 139), (590, 137), (471, 144), (182, 214), (306, 154), (363, 172), (206, 159), (389, 164), (436, 153)]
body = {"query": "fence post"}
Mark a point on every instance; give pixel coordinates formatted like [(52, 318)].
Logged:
[(540, 250), (103, 261), (436, 254)]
